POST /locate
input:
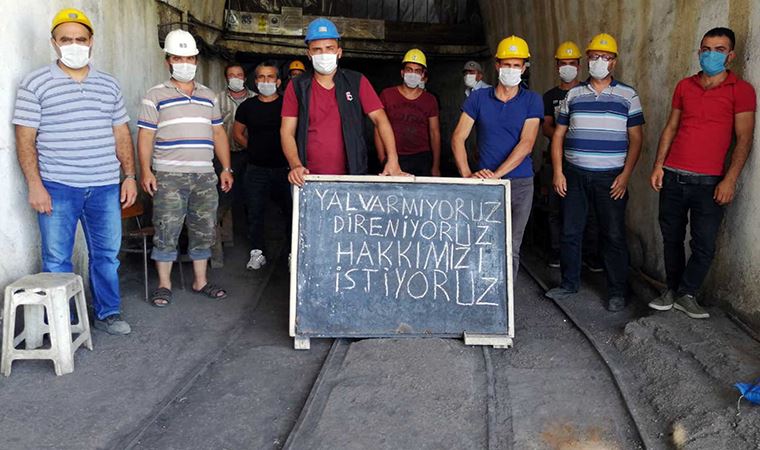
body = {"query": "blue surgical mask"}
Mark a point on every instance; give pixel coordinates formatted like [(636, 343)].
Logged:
[(712, 63)]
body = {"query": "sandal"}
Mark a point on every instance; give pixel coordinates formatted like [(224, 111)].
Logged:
[(212, 291), (161, 297)]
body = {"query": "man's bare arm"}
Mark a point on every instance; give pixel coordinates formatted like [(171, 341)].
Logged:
[(26, 148), (461, 133)]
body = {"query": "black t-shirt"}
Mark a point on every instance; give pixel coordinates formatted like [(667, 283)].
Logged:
[(552, 98), (262, 120)]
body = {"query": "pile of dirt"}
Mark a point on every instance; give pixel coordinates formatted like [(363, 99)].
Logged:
[(686, 370)]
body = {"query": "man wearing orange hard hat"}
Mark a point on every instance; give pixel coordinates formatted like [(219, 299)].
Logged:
[(296, 69), (72, 139)]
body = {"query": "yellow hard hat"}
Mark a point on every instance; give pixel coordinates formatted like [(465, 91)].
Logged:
[(71, 15), (512, 47), (568, 50), (603, 43), (416, 56), (296, 65)]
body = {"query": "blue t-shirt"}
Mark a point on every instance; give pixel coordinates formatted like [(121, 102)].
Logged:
[(500, 125)]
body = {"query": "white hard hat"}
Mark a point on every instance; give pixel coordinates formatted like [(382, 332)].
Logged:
[(180, 43)]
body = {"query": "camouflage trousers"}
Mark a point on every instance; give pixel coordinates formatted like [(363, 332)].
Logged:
[(184, 199)]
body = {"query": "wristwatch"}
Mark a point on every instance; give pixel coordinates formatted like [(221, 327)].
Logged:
[(131, 175), (228, 169)]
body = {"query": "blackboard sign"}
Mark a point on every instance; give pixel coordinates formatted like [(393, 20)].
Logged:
[(401, 256)]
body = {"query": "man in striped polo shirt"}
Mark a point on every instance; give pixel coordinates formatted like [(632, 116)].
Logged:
[(181, 129), (599, 128), (72, 136)]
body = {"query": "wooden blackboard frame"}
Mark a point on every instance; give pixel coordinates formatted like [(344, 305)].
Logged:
[(495, 340)]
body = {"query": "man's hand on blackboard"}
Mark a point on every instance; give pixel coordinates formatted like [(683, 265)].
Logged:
[(392, 169), (296, 175), (483, 174)]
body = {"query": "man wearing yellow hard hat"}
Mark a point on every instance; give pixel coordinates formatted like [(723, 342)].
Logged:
[(567, 60), (72, 138), (508, 118), (595, 148), (413, 114)]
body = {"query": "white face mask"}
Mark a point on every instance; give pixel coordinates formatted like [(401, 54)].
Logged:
[(470, 81), (412, 80), (266, 89), (599, 69), (568, 73), (421, 85), (235, 84), (509, 76), (325, 63), (75, 56), (183, 72)]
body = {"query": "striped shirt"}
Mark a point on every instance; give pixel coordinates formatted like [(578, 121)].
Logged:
[(74, 121), (184, 140), (597, 134), (228, 107)]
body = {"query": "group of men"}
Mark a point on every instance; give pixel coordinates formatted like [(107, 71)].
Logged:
[(194, 145), (596, 143)]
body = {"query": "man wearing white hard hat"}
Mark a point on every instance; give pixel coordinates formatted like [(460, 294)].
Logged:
[(72, 137), (181, 129)]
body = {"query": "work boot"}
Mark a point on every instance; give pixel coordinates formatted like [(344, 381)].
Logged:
[(615, 304), (256, 261), (664, 302), (559, 293), (113, 324), (688, 304)]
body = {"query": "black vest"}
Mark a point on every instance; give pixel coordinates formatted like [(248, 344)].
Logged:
[(351, 117)]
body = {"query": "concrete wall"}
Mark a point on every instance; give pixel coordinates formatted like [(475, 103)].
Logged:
[(658, 42), (126, 45)]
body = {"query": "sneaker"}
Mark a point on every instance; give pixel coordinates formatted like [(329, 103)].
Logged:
[(554, 260), (559, 293), (615, 304), (688, 304), (256, 261), (664, 302), (593, 264), (113, 324)]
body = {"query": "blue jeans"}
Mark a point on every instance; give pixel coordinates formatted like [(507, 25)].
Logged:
[(261, 184), (684, 203), (99, 210), (591, 189)]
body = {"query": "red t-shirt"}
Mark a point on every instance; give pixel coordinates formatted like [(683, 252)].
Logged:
[(326, 154), (707, 123), (410, 120)]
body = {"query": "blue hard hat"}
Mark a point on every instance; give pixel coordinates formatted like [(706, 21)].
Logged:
[(321, 28)]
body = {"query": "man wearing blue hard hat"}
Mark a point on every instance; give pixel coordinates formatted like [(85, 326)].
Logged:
[(323, 113)]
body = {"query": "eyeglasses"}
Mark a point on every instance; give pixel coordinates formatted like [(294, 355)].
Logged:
[(602, 57)]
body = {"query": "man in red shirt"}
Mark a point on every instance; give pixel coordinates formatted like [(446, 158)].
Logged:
[(708, 109), (413, 114), (323, 114)]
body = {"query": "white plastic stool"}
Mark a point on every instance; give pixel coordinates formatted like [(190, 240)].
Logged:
[(37, 294)]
